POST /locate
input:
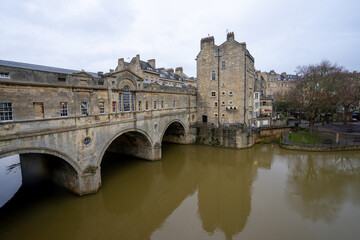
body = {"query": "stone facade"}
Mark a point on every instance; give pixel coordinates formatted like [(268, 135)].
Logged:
[(226, 79), (273, 83), (76, 116), (148, 71)]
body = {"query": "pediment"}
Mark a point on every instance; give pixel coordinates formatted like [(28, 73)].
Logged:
[(125, 77), (82, 74)]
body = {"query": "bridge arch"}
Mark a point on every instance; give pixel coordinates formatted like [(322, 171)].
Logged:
[(134, 142), (37, 163), (40, 150), (174, 132)]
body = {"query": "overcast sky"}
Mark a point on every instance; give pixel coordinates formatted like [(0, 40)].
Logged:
[(93, 34)]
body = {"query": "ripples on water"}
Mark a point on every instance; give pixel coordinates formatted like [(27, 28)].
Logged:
[(198, 192)]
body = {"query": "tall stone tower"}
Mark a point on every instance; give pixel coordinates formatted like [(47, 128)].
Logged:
[(226, 78)]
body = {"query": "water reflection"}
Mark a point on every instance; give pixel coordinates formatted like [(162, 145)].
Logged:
[(195, 192), (225, 180), (319, 184)]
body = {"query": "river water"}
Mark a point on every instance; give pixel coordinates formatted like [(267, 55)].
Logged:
[(199, 192)]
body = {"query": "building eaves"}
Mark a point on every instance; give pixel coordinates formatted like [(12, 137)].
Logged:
[(43, 68)]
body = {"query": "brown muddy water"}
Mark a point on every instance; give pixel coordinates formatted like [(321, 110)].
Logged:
[(197, 192)]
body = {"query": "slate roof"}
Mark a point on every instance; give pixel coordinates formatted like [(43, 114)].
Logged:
[(42, 68), (147, 66), (163, 73)]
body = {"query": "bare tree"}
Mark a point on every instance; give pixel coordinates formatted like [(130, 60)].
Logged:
[(315, 91), (347, 92)]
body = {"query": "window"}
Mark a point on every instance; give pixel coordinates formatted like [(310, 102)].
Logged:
[(152, 79), (174, 103), (223, 64), (100, 83), (126, 99), (61, 79), (133, 101), (139, 108), (6, 112), (63, 109), (230, 93), (223, 94), (120, 102), (146, 78), (4, 75), (223, 115), (268, 84), (162, 104), (84, 108), (223, 103), (87, 141), (256, 95), (155, 105), (213, 75), (223, 84), (102, 107), (264, 103), (216, 104), (230, 103), (213, 94), (146, 105), (216, 115), (113, 107)]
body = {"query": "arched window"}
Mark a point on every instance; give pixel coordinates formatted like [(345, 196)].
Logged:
[(213, 75), (126, 99)]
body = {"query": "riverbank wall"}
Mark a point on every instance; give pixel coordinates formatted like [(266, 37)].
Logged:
[(270, 134), (223, 136), (318, 148)]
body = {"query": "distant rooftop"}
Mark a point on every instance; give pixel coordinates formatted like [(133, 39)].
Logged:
[(42, 68)]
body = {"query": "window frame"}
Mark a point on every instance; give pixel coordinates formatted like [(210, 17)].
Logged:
[(101, 107), (84, 109), (64, 109), (113, 106), (6, 112), (213, 75)]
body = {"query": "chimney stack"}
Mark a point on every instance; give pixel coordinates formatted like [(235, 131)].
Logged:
[(230, 36), (152, 63), (207, 40), (179, 71)]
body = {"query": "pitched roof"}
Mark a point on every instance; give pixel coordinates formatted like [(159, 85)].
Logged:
[(42, 68)]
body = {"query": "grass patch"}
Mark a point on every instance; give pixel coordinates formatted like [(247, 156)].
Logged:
[(305, 137)]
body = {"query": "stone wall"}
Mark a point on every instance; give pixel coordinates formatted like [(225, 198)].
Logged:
[(230, 137)]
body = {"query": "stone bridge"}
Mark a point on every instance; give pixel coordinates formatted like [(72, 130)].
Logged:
[(124, 114)]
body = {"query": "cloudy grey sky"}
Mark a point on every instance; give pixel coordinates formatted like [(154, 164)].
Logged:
[(93, 34)]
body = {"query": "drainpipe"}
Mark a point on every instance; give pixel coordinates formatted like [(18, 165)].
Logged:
[(245, 89), (218, 53)]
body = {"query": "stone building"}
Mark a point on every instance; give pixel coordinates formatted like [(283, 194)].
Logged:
[(225, 82), (148, 71), (31, 92), (274, 83)]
